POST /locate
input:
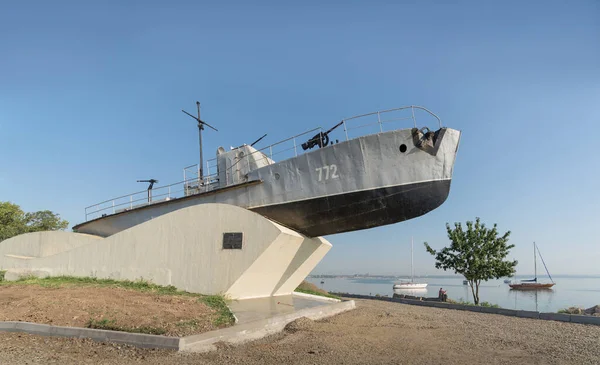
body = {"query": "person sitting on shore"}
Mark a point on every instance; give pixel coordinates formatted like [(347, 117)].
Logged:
[(442, 296)]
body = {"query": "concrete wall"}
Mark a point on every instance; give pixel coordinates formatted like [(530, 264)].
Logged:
[(182, 248), (41, 244)]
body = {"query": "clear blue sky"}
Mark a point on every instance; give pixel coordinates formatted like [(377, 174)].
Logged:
[(90, 99)]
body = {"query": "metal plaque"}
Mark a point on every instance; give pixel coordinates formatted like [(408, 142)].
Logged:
[(233, 241)]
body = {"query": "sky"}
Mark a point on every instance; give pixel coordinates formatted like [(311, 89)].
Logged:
[(91, 93)]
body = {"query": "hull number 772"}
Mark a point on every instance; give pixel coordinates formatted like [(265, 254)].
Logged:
[(327, 172)]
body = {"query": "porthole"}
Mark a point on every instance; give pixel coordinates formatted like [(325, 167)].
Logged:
[(402, 148)]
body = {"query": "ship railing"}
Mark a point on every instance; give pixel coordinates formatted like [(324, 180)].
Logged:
[(158, 194), (192, 172), (378, 121), (282, 150)]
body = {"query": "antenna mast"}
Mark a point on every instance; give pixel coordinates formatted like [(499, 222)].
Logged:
[(201, 125), (534, 262)]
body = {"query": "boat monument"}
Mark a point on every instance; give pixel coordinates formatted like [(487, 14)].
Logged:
[(248, 223)]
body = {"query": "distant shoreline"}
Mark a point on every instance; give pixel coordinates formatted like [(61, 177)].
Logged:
[(367, 276)]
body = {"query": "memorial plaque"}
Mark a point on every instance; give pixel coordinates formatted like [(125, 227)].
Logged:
[(233, 241)]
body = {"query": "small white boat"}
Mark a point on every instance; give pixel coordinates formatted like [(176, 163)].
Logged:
[(410, 284)]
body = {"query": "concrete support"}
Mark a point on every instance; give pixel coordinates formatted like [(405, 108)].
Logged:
[(184, 248)]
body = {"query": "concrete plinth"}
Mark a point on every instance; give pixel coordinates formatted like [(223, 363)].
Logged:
[(184, 248)]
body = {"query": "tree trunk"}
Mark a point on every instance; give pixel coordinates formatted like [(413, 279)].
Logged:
[(476, 300), (472, 285)]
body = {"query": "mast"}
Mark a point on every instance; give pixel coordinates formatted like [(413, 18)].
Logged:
[(534, 263), (543, 262), (412, 270), (200, 128), (201, 124)]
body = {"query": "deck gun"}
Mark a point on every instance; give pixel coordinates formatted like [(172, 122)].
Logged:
[(152, 182), (321, 139)]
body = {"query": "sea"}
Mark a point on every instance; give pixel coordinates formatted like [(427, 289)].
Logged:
[(569, 291)]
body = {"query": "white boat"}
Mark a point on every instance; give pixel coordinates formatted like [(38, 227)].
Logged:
[(410, 284)]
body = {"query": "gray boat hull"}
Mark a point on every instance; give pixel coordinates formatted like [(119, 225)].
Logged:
[(359, 210), (361, 183)]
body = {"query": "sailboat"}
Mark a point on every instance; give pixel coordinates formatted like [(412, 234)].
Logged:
[(532, 284), (410, 284)]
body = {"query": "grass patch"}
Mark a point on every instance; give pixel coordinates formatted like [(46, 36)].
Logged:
[(481, 304), (309, 288), (111, 325), (216, 302), (66, 281)]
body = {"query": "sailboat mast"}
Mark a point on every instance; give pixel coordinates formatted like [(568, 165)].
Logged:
[(412, 270), (544, 262), (534, 263)]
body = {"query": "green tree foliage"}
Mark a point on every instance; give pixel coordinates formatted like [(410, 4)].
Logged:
[(13, 221), (477, 253)]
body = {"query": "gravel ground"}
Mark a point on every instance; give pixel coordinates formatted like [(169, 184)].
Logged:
[(375, 333)]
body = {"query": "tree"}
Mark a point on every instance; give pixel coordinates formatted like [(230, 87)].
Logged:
[(477, 253), (45, 220), (13, 221)]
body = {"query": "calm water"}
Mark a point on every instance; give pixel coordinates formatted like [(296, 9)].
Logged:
[(568, 291)]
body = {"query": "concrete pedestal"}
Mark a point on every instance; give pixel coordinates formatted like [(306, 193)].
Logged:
[(184, 248)]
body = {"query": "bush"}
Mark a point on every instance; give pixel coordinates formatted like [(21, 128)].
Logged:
[(572, 310), (481, 304)]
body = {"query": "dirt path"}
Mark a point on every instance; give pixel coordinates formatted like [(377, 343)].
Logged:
[(171, 315), (374, 333)]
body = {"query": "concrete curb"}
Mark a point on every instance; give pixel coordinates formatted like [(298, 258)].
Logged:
[(585, 319), (316, 297), (134, 339), (196, 343), (561, 317), (258, 329), (556, 317)]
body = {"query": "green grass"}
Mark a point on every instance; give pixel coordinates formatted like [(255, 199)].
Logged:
[(481, 304), (2, 272), (216, 302), (306, 291), (139, 285), (111, 325)]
